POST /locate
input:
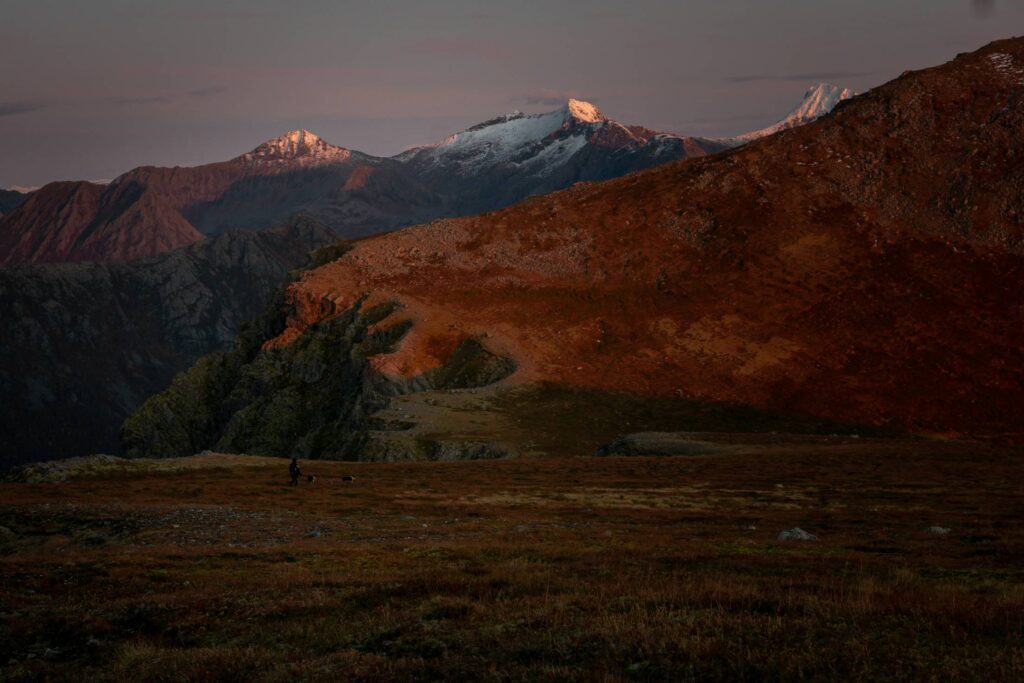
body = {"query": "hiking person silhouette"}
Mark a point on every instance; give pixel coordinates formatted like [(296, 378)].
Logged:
[(294, 471)]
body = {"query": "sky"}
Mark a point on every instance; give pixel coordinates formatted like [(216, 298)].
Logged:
[(89, 90)]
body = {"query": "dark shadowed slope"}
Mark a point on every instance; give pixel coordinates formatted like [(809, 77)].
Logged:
[(864, 268), (9, 199), (84, 344)]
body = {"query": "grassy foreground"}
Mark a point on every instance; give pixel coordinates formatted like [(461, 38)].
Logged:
[(530, 569)]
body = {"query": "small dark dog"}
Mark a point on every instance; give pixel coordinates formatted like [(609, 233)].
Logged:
[(349, 478), (311, 478)]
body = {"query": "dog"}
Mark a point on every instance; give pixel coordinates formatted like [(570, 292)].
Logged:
[(311, 479), (348, 478)]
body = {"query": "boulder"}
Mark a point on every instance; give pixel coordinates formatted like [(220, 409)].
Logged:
[(659, 443), (796, 534)]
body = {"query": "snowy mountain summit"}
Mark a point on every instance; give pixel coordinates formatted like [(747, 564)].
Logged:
[(817, 101), (503, 137), (297, 146), (583, 111), (538, 143)]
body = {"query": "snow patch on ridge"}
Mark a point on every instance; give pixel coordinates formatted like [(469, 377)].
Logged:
[(1005, 65)]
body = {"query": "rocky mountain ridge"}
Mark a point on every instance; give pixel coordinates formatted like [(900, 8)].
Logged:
[(150, 210), (863, 268)]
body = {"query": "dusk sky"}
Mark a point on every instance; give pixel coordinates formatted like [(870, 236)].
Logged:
[(89, 90)]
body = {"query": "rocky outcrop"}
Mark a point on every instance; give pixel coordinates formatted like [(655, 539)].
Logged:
[(312, 398), (660, 443), (85, 344)]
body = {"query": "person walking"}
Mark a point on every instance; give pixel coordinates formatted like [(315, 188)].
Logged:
[(294, 471)]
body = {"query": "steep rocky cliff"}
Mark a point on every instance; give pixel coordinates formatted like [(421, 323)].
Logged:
[(315, 397)]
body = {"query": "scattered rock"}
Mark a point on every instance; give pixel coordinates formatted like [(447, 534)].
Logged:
[(937, 530), (796, 534), (659, 443)]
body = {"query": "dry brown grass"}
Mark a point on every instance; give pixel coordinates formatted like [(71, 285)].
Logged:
[(554, 569)]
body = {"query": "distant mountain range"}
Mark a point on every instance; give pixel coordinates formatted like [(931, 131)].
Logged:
[(150, 210), (864, 268)]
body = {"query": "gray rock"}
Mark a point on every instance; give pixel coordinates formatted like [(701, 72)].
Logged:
[(937, 530), (659, 443), (796, 534)]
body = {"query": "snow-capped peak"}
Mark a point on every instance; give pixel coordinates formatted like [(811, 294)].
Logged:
[(506, 137), (298, 145), (583, 111), (817, 101)]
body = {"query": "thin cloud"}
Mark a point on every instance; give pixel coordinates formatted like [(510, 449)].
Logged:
[(208, 91), (809, 76), (15, 108), (158, 99)]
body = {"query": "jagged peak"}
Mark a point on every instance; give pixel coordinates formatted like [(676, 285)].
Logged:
[(820, 99), (298, 145), (817, 101), (583, 111)]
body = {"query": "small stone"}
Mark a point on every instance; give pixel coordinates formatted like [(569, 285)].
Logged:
[(796, 534), (937, 530)]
